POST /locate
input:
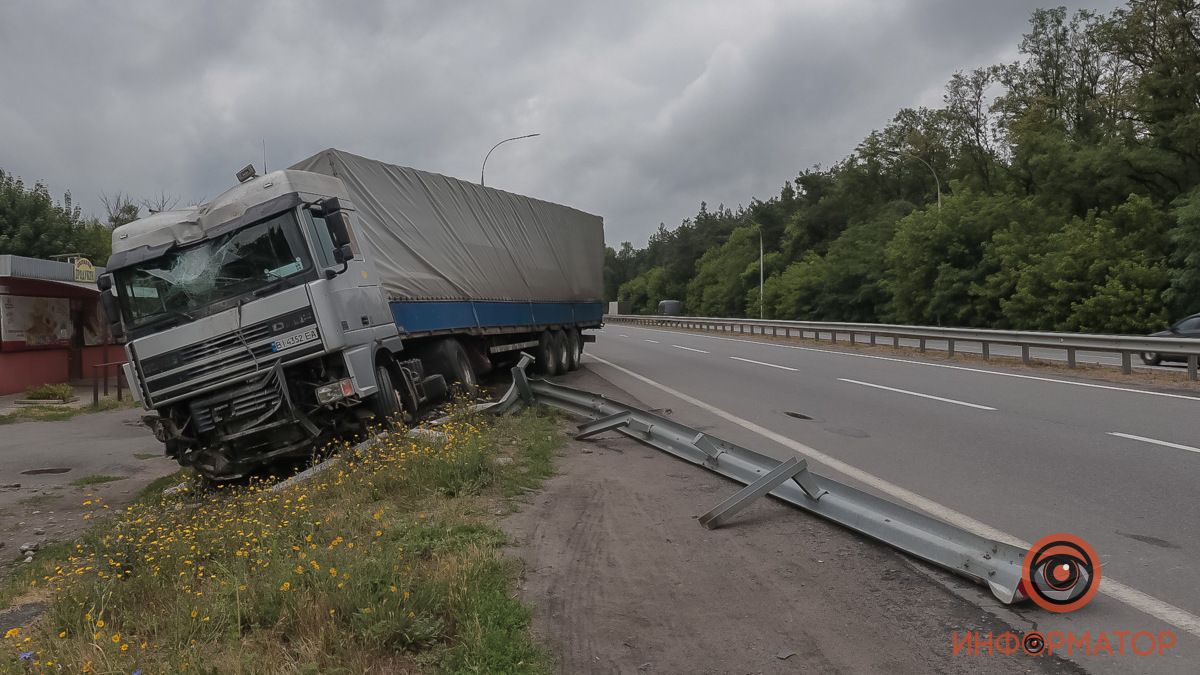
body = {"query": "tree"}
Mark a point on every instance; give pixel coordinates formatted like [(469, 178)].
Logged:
[(120, 208), (31, 224), (1183, 296)]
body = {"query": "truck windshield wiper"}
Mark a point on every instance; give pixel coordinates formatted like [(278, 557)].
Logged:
[(269, 288), (168, 314)]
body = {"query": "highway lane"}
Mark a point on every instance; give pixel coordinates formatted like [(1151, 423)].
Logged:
[(1028, 455)]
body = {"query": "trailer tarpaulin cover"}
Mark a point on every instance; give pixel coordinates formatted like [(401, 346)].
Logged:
[(440, 238)]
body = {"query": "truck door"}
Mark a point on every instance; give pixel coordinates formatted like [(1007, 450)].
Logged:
[(356, 294)]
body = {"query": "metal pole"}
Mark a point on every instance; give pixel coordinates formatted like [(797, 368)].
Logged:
[(760, 272), (936, 181), (489, 152)]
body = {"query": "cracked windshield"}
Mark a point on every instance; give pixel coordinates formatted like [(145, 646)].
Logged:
[(192, 278)]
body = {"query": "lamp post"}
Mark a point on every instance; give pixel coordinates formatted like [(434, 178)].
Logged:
[(489, 152), (937, 183)]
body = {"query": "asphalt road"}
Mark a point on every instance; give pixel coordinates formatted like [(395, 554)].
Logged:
[(40, 461), (1026, 454)]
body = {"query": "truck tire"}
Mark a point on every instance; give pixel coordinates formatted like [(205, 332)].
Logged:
[(574, 349), (458, 365), (546, 355), (561, 348), (385, 403)]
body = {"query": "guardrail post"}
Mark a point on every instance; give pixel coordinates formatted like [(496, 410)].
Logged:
[(950, 348), (774, 331), (787, 332), (1070, 357), (1025, 354), (1192, 367), (95, 386), (921, 346), (1126, 363), (852, 338), (895, 342), (872, 339), (986, 349)]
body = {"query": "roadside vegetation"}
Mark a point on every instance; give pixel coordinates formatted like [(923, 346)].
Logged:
[(1070, 199), (387, 562), (58, 413), (51, 392)]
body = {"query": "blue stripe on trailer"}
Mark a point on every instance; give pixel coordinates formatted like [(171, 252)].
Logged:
[(420, 317)]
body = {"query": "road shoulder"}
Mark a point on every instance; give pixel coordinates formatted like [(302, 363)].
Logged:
[(623, 579)]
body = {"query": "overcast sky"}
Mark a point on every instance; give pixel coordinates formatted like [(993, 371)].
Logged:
[(645, 108)]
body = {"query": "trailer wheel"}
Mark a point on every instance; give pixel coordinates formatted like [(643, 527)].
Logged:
[(386, 402), (547, 354), (458, 365), (574, 349), (563, 361)]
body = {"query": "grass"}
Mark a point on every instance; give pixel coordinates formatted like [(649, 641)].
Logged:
[(55, 413), (50, 392), (95, 479), (389, 562)]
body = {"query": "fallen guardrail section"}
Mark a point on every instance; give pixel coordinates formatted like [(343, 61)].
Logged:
[(1123, 345), (995, 564)]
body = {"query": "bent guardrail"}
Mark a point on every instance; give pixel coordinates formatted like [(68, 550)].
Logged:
[(992, 563), (1124, 345)]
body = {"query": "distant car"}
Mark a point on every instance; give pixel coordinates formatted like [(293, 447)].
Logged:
[(1188, 327)]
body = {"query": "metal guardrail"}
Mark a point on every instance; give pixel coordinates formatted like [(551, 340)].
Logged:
[(992, 563), (1124, 345)]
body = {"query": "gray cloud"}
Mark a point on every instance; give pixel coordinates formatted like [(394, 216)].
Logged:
[(645, 108)]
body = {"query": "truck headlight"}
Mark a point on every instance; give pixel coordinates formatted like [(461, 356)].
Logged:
[(334, 391)]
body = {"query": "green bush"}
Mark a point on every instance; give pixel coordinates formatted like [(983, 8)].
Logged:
[(50, 392)]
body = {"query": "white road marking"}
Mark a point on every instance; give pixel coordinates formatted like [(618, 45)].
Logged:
[(761, 363), (654, 341), (1148, 604), (939, 365), (701, 351), (914, 393), (1155, 441), (623, 335)]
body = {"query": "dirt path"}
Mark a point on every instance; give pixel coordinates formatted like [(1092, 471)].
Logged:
[(624, 580)]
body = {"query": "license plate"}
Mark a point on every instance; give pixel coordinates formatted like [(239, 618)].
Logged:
[(294, 339)]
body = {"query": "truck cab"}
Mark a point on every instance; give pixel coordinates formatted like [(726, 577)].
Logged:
[(255, 325)]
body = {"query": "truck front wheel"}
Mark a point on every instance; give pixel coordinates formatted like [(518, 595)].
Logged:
[(386, 402)]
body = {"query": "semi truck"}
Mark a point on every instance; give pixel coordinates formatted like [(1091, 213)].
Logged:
[(313, 302)]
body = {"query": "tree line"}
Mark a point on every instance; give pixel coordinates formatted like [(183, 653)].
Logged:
[(1069, 200), (33, 224)]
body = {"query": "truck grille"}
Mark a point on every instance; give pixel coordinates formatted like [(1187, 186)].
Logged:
[(242, 407), (181, 372)]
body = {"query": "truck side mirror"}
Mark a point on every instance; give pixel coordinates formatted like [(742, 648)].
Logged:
[(338, 223), (104, 283), (343, 254)]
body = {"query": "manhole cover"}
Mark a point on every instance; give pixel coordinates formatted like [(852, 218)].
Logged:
[(38, 472), (799, 416)]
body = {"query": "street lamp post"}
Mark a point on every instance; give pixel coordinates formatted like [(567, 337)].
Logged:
[(489, 152), (937, 183)]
